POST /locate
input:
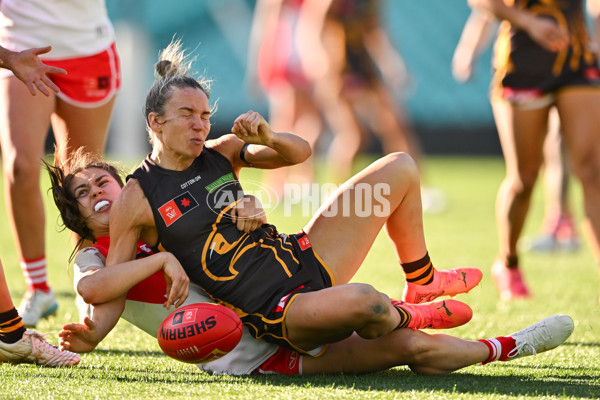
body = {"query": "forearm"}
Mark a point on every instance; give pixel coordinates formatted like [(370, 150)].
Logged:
[(384, 54), (477, 34), (106, 284), (518, 17), (291, 148), (5, 58), (106, 316), (593, 9)]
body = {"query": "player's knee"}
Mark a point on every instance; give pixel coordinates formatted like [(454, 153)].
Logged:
[(371, 309), (403, 166), (22, 170), (403, 162), (527, 180), (521, 187), (588, 171)]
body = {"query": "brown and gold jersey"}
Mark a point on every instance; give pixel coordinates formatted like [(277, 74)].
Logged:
[(248, 272), (522, 63)]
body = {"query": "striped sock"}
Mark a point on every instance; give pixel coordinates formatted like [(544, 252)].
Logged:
[(512, 262), (34, 271), (499, 348), (405, 317), (419, 272), (11, 327)]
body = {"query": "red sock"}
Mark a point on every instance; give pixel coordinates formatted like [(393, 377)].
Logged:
[(34, 271), (499, 348)]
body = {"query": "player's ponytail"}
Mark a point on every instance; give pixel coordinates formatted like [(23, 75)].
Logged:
[(171, 70), (172, 61)]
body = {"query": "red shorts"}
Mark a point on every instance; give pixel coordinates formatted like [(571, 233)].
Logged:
[(284, 362), (90, 81)]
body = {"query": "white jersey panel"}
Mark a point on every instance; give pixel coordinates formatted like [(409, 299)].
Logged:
[(245, 358), (74, 28)]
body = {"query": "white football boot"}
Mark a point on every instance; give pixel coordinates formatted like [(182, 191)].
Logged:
[(34, 349), (544, 335), (37, 305)]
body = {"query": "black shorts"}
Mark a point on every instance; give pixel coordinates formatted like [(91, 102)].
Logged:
[(530, 76), (271, 326)]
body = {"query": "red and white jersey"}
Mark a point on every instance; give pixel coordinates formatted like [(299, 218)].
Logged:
[(73, 28), (144, 309)]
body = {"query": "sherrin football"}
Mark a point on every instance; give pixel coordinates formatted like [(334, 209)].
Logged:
[(199, 333)]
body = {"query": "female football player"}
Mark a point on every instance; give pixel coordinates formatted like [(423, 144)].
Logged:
[(85, 196)]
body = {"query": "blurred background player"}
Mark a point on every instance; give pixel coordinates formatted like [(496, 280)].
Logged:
[(543, 59), (361, 61), (83, 43), (558, 229), (17, 344), (331, 61), (275, 67), (359, 90)]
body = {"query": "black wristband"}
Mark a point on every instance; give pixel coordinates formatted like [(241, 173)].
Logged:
[(243, 154)]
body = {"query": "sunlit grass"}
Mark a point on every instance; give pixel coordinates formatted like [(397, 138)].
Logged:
[(129, 363)]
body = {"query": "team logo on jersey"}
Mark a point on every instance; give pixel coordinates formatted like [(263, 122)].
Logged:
[(174, 209), (303, 242)]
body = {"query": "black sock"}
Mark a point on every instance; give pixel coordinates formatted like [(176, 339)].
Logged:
[(11, 327), (512, 262)]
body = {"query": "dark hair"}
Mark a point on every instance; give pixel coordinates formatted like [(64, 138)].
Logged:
[(171, 71), (61, 174)]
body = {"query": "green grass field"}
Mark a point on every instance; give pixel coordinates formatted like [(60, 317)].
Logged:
[(129, 363)]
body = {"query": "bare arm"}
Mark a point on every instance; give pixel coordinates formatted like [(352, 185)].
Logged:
[(83, 338), (382, 51), (130, 215), (107, 284), (267, 149), (593, 9), (544, 31), (475, 39)]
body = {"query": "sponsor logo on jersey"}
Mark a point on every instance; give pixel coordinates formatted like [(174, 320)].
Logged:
[(174, 209), (219, 182)]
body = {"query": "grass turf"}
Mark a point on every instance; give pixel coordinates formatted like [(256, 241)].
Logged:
[(129, 363)]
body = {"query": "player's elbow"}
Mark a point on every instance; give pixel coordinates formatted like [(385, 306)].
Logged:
[(475, 3), (307, 152), (302, 153), (90, 292)]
